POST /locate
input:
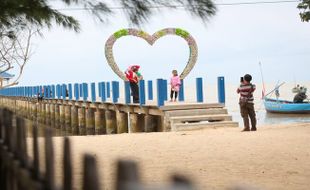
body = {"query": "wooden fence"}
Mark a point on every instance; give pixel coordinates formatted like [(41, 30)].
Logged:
[(19, 171)]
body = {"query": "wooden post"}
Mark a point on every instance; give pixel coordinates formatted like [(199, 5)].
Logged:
[(136, 124), (162, 123), (122, 122), (28, 109), (82, 125), (49, 160), (90, 121), (62, 116), (141, 122), (74, 119), (36, 160), (100, 121), (42, 118), (67, 165), (52, 113), (68, 117), (127, 173), (90, 176), (47, 113), (34, 111), (38, 118), (110, 122), (150, 123), (57, 116)]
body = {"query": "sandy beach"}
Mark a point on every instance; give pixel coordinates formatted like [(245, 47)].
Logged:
[(274, 157)]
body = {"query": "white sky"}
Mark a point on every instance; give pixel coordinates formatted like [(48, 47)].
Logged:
[(231, 44)]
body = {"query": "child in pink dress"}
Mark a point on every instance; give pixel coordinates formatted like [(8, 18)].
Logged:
[(175, 83)]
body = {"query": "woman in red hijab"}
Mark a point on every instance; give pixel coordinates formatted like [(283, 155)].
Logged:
[(133, 81)]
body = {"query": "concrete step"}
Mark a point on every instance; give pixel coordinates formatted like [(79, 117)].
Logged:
[(202, 125), (191, 106), (213, 118), (192, 112)]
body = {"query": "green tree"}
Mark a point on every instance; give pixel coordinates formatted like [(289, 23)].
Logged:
[(41, 13), (304, 7), (21, 19)]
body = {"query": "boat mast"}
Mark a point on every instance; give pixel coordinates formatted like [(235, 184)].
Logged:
[(261, 73)]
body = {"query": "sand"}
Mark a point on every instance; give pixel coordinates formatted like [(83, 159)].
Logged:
[(274, 157)]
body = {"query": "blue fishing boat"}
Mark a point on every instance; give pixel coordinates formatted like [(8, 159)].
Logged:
[(284, 106)]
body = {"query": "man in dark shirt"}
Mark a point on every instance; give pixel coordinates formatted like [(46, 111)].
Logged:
[(246, 102)]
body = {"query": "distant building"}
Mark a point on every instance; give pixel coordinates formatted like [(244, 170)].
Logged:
[(4, 76)]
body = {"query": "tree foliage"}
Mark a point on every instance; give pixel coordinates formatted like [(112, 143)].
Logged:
[(18, 18), (304, 6), (40, 13)]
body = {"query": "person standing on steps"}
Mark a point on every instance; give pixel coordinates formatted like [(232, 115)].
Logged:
[(246, 103), (133, 78), (175, 83)]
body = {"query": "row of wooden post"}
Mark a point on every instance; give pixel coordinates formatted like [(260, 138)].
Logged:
[(80, 118), (80, 91), (19, 172)]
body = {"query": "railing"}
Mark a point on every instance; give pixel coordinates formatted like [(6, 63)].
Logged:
[(106, 90)]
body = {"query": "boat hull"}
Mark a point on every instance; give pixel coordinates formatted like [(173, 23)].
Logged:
[(282, 106)]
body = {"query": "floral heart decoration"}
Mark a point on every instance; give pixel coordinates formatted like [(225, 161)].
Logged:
[(151, 39)]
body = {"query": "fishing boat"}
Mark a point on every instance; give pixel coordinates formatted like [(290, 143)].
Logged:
[(284, 106), (277, 105)]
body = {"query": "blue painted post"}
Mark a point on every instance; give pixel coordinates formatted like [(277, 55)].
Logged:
[(142, 92), (76, 92), (40, 90), (160, 98), (53, 92), (221, 89), (108, 89), (115, 91), (181, 92), (150, 89), (165, 89), (33, 89), (99, 89), (58, 91), (85, 91), (47, 92), (70, 91), (81, 90), (103, 92), (199, 90), (127, 92), (93, 92), (24, 91), (64, 91)]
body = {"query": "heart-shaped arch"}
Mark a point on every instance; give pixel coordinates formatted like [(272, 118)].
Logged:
[(151, 39)]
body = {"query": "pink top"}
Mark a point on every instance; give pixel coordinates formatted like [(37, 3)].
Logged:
[(175, 83)]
